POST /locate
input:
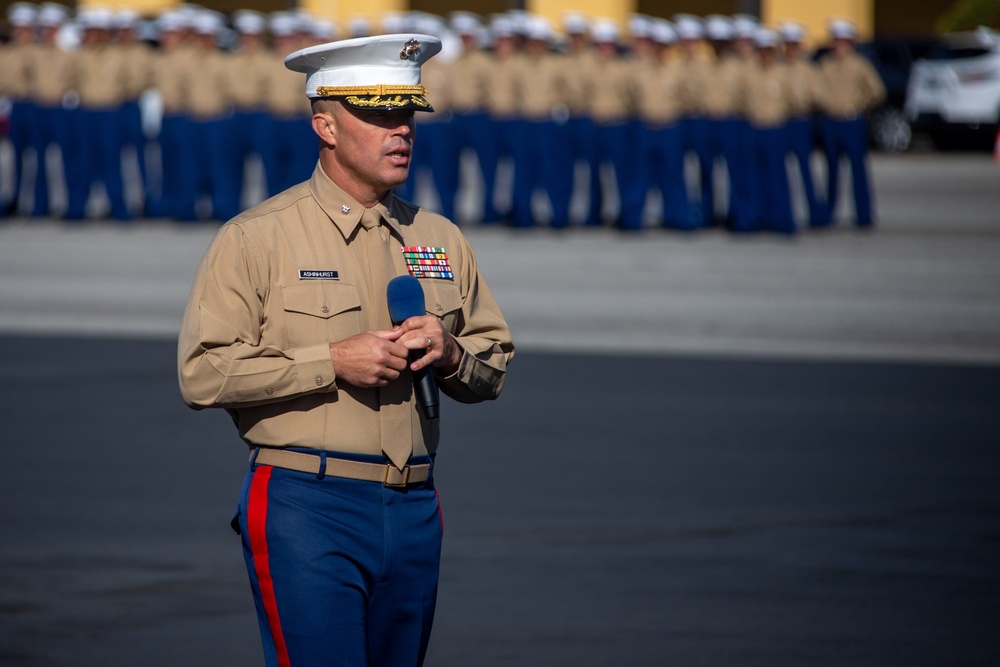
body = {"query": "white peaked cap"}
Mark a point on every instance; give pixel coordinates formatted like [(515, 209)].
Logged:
[(126, 18), (96, 18), (502, 26), (51, 14), (359, 26), (791, 31), (842, 29), (719, 27), (765, 38), (640, 25), (745, 26), (249, 22), (604, 30), (575, 23), (664, 32), (208, 22), (688, 26), (465, 23), (22, 14), (539, 28), (379, 72), (322, 29), (282, 24)]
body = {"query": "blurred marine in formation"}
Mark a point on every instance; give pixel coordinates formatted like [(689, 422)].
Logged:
[(684, 123)]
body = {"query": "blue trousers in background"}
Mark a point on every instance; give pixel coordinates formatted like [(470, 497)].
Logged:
[(610, 145), (132, 134), (175, 141), (769, 202), (800, 144), (289, 153), (478, 132), (96, 157), (212, 167), (247, 137), (665, 171), (848, 138), (343, 572), (50, 126), (21, 115)]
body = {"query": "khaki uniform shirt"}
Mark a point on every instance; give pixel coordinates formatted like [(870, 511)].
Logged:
[(504, 82), (609, 90), (170, 77), (723, 91), (695, 78), (138, 58), (767, 95), (659, 93), (255, 336), (575, 65), (209, 85), (467, 87), (435, 77), (542, 89), (803, 86), (247, 78), (286, 92), (52, 71), (16, 61), (101, 77), (850, 86)]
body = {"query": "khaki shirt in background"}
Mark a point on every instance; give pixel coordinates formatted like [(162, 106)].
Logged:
[(255, 335), (467, 82), (767, 95), (285, 96), (170, 78), (575, 64), (435, 75), (503, 86), (209, 95), (660, 96), (138, 67), (17, 61), (247, 78), (850, 86), (101, 78), (51, 72), (695, 78), (543, 92), (609, 90), (722, 92), (803, 86)]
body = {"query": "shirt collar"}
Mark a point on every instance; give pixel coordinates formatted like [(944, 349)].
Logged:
[(344, 210)]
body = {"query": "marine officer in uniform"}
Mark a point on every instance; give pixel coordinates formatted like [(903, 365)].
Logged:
[(851, 88), (248, 67), (802, 95), (15, 61), (661, 105), (767, 110), (287, 327), (96, 156), (50, 84)]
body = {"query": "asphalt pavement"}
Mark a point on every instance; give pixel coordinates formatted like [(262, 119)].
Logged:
[(710, 450)]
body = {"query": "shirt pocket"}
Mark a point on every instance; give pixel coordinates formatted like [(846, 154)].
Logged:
[(320, 312), (443, 299)]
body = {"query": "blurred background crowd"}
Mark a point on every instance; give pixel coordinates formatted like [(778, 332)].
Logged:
[(687, 123)]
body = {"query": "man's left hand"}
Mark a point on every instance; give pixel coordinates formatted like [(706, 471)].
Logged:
[(426, 332)]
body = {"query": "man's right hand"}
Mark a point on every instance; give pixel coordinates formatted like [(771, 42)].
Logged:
[(370, 359)]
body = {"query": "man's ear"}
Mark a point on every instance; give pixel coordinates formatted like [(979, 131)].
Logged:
[(325, 127)]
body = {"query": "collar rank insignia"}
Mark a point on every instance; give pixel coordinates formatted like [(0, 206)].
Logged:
[(427, 262)]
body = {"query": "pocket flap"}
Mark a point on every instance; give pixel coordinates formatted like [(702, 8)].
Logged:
[(320, 299)]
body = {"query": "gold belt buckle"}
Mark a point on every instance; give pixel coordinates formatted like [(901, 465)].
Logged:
[(390, 469)]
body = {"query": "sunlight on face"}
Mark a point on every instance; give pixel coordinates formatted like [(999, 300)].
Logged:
[(373, 148)]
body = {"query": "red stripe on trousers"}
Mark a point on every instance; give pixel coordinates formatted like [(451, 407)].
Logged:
[(256, 523)]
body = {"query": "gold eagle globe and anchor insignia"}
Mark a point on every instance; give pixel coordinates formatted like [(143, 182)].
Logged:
[(411, 48)]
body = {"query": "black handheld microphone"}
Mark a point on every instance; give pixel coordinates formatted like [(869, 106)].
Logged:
[(406, 300)]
